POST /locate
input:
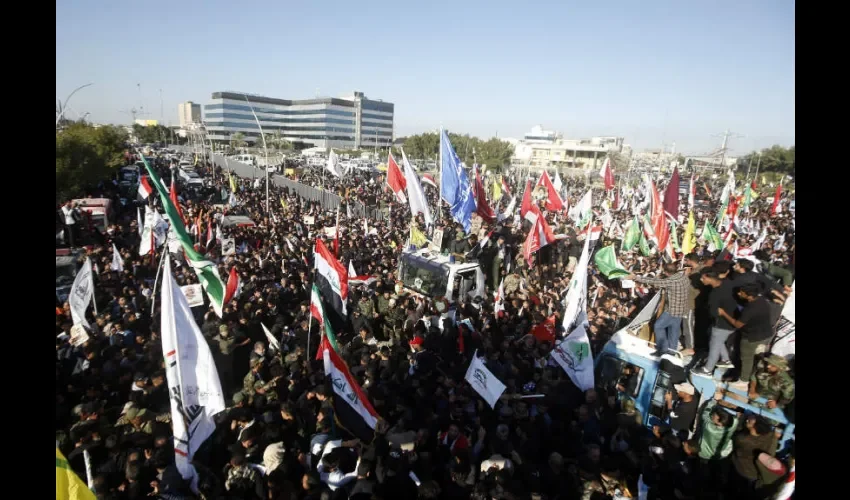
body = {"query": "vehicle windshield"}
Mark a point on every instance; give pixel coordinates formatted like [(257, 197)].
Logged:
[(65, 274), (424, 277)]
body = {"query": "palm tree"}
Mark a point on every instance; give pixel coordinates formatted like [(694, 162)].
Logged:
[(237, 140)]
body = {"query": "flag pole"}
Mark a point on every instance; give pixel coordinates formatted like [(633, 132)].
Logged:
[(93, 299), (156, 280)]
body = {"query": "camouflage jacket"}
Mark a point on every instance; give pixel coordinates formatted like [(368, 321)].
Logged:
[(778, 387)]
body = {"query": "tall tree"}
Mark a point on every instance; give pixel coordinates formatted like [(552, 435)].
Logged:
[(85, 156)]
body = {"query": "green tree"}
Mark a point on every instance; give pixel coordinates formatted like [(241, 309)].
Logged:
[(237, 140), (85, 156), (493, 152), (773, 159), (151, 133)]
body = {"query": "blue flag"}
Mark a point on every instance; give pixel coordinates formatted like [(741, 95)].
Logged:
[(454, 184)]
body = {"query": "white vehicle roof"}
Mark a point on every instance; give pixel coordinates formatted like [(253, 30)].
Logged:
[(437, 258)]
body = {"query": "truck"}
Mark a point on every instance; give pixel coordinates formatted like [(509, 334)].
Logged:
[(98, 211), (429, 273), (628, 366)]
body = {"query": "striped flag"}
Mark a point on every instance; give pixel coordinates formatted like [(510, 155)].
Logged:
[(145, 188), (317, 311), (352, 409), (206, 270)]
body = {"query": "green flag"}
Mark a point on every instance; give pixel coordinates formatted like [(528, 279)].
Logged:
[(709, 234), (317, 310), (606, 262), (721, 214), (674, 237), (205, 269), (632, 236), (748, 197), (643, 245)]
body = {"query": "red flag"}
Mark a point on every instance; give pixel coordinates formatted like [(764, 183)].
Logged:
[(526, 205), (671, 196), (753, 184), (553, 202), (172, 194), (234, 286), (658, 219), (482, 208), (545, 332), (775, 206), (396, 180), (539, 236), (145, 188), (607, 174), (617, 199)]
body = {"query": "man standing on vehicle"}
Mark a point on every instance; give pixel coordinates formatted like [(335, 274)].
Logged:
[(720, 297), (677, 288), (70, 214), (754, 324)]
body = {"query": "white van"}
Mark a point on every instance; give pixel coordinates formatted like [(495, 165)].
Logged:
[(246, 159)]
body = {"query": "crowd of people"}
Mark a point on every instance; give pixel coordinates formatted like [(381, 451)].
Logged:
[(436, 438)]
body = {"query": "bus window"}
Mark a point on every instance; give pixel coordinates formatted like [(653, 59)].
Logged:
[(657, 405), (617, 375)]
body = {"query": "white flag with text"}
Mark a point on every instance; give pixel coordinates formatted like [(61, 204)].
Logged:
[(193, 381), (483, 381)]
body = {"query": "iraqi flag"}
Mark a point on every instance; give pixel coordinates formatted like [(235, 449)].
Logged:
[(210, 237), (317, 311), (553, 200), (332, 282), (396, 180), (352, 409), (359, 279), (429, 179), (145, 188), (539, 236), (234, 286), (505, 187)]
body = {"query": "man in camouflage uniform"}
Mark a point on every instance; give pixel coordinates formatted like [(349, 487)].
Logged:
[(253, 377), (391, 328), (772, 382)]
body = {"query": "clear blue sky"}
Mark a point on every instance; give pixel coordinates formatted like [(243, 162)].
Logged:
[(649, 70)]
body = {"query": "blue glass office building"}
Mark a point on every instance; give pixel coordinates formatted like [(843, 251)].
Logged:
[(347, 123)]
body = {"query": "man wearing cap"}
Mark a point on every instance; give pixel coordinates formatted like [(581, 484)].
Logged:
[(683, 411), (421, 361), (772, 382)]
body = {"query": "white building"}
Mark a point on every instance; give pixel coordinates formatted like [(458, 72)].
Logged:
[(351, 122), (545, 148), (188, 112)]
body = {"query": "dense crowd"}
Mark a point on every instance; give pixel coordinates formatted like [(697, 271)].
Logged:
[(278, 438)]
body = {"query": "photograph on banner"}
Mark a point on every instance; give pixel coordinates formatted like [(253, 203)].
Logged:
[(228, 246), (194, 294)]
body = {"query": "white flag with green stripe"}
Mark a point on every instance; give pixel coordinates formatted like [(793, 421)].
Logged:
[(205, 269)]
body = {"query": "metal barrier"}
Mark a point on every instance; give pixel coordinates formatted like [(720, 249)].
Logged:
[(327, 200)]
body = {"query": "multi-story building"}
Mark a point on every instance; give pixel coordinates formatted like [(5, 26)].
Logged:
[(188, 112), (544, 148), (350, 122)]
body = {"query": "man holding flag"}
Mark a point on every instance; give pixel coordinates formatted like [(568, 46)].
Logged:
[(676, 289)]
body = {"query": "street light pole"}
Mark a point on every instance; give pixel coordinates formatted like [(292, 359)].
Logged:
[(65, 106)]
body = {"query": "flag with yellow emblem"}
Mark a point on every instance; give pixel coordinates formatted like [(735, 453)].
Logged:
[(69, 486)]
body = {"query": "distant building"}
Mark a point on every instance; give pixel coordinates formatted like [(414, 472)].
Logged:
[(188, 112), (147, 123), (351, 122), (545, 148)]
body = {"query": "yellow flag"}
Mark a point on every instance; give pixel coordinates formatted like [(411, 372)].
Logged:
[(232, 183), (282, 203), (497, 188), (196, 159), (416, 236), (68, 485), (688, 240)]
